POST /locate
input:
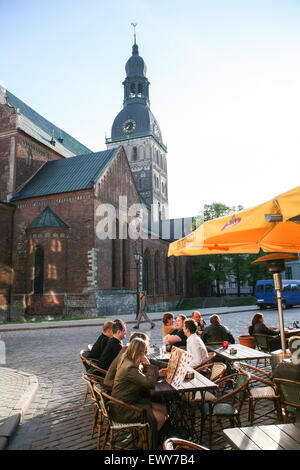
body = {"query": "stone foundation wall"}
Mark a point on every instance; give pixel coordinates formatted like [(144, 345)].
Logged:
[(116, 303)]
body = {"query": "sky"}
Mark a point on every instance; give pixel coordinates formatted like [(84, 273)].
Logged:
[(225, 84)]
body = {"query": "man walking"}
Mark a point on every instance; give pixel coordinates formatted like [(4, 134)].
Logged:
[(142, 312)]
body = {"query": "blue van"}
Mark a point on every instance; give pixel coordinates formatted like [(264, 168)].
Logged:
[(265, 294)]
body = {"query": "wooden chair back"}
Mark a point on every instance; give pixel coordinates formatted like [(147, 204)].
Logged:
[(263, 342), (240, 381), (173, 443), (289, 391), (217, 371)]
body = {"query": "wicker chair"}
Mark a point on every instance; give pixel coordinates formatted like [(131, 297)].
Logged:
[(176, 444), (115, 429), (216, 372), (86, 368), (257, 393), (289, 391), (97, 408), (263, 343), (95, 370), (220, 409), (211, 356), (91, 370)]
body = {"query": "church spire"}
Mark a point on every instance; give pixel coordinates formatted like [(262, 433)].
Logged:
[(135, 47), (136, 85), (134, 35)]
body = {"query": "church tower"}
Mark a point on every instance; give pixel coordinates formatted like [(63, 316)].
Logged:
[(136, 128)]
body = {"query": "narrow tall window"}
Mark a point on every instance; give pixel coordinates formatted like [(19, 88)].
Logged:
[(156, 274), (175, 275), (38, 282), (145, 273), (29, 158), (167, 276), (134, 154)]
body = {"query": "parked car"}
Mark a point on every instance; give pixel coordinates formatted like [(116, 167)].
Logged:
[(265, 294)]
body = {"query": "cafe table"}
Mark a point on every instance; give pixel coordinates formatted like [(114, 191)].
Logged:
[(266, 437), (243, 353), (180, 403)]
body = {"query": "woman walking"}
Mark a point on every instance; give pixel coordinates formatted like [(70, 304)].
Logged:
[(142, 312)]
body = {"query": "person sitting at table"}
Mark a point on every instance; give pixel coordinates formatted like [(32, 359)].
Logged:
[(290, 370), (200, 322), (114, 345), (168, 323), (215, 332), (258, 327), (135, 376), (194, 344), (110, 375), (177, 337), (99, 345)]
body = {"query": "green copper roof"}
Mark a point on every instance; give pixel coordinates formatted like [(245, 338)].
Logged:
[(38, 127), (67, 174), (47, 218)]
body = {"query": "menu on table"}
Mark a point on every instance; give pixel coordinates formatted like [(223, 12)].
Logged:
[(178, 365)]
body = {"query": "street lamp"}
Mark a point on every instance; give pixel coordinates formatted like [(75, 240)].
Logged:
[(137, 259)]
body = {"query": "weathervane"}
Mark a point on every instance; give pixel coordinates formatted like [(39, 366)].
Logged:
[(134, 26)]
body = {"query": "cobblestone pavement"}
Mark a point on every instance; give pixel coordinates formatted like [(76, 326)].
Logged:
[(14, 385), (57, 418)]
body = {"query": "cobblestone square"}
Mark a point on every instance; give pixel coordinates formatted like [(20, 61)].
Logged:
[(57, 417)]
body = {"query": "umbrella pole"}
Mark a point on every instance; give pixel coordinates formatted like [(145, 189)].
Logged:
[(278, 286)]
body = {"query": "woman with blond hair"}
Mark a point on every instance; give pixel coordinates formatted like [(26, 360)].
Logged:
[(134, 378)]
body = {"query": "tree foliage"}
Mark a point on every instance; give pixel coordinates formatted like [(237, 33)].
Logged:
[(212, 270)]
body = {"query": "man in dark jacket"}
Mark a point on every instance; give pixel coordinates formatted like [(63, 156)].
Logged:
[(114, 345), (99, 345), (216, 332)]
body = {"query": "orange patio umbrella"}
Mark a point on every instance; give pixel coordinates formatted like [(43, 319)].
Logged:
[(271, 226)]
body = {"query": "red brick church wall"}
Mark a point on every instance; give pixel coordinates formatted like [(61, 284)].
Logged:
[(65, 251), (6, 217)]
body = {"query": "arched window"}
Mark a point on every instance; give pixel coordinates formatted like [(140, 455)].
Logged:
[(29, 158), (134, 154), (124, 247), (167, 276), (156, 274), (115, 258), (140, 88), (145, 272), (38, 282), (124, 262), (113, 262), (175, 275), (132, 88)]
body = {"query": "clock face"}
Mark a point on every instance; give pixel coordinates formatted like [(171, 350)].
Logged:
[(129, 126)]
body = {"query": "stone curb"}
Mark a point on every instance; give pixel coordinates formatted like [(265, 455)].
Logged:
[(77, 323), (16, 415)]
